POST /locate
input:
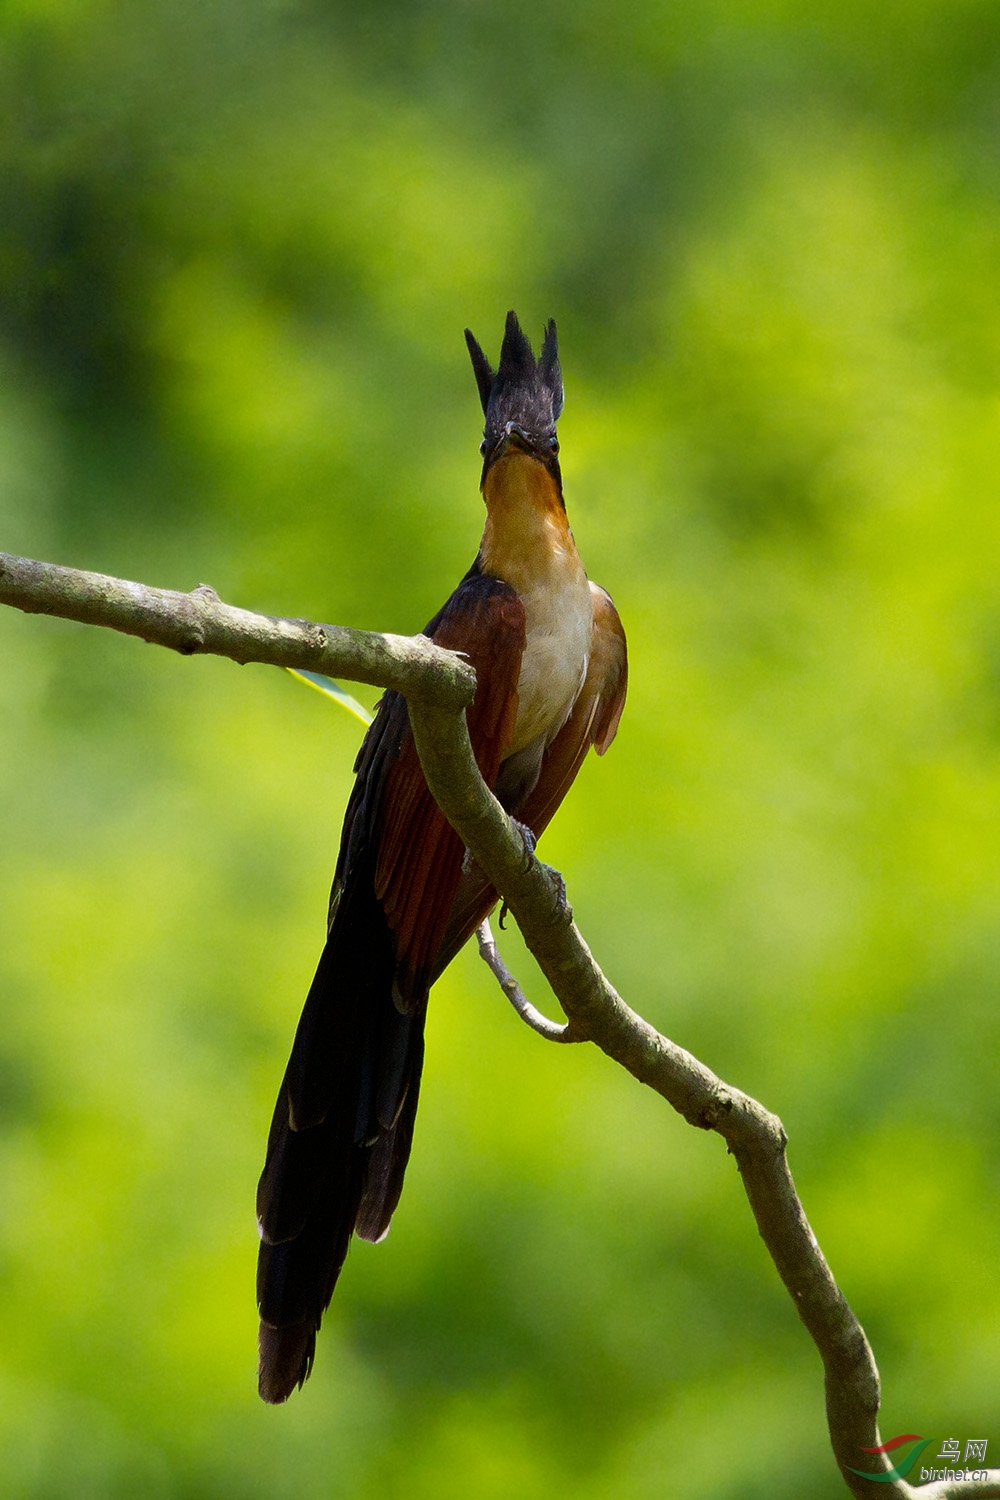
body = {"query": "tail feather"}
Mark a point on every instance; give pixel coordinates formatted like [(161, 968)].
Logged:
[(295, 1281), (355, 969), (336, 1151), (390, 1154), (296, 1278), (294, 1169), (400, 1036), (286, 1357)]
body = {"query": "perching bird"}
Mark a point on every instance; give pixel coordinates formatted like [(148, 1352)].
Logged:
[(549, 654)]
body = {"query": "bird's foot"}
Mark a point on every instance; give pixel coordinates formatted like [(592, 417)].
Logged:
[(530, 841), (563, 908), (527, 834)]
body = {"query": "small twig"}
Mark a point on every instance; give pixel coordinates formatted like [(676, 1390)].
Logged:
[(553, 1031)]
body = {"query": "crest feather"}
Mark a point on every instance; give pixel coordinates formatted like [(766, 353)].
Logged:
[(522, 389), (484, 371)]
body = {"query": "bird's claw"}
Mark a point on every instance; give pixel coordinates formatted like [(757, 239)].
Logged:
[(562, 903), (529, 840), (527, 834), (563, 908)]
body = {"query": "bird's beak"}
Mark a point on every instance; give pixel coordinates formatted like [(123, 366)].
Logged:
[(516, 441), (514, 438)]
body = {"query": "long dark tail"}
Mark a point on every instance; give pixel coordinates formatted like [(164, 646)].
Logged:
[(343, 1124), (340, 1137)]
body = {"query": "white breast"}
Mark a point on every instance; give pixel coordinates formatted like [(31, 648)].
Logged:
[(559, 623)]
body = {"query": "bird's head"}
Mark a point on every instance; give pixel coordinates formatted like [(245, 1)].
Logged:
[(521, 399)]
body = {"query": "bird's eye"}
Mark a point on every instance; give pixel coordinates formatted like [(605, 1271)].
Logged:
[(554, 445), (482, 447)]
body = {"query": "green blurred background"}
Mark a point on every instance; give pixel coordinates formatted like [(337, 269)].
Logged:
[(238, 247)]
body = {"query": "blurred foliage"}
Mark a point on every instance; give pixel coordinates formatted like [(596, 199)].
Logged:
[(238, 245)]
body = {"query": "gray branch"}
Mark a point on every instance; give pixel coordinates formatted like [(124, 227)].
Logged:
[(199, 623), (438, 686)]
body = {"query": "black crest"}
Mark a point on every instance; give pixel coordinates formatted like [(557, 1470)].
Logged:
[(522, 390)]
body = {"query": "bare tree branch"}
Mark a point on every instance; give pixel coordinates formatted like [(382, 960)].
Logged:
[(438, 685), (200, 623)]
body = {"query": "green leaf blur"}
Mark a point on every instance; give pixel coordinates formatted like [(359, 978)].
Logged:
[(238, 247), (334, 693)]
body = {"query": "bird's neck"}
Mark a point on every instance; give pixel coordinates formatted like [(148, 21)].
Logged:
[(527, 535)]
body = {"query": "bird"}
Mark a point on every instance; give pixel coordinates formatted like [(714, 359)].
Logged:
[(550, 659)]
